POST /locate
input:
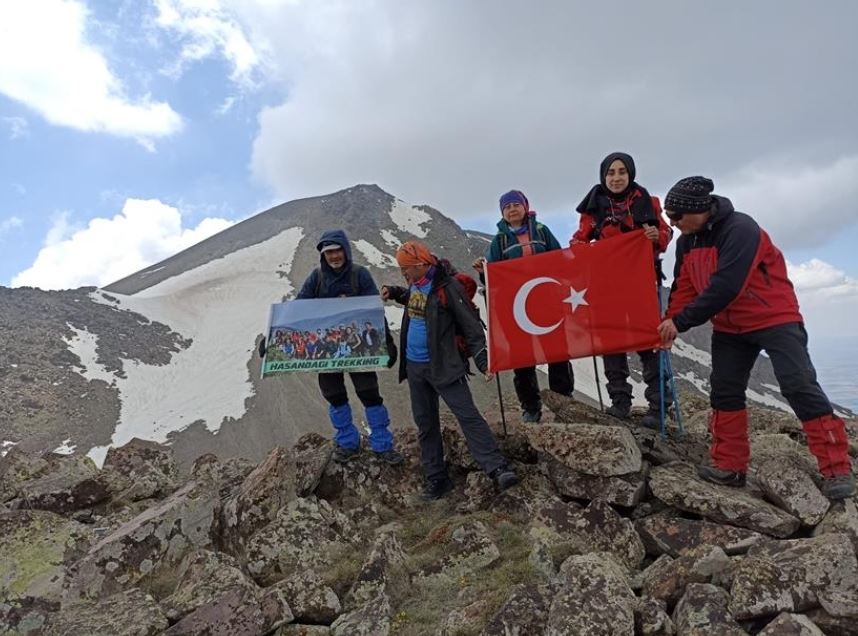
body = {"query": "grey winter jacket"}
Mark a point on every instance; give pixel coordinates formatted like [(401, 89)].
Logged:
[(446, 364)]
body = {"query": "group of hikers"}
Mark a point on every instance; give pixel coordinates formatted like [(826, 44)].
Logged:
[(727, 271), (334, 342)]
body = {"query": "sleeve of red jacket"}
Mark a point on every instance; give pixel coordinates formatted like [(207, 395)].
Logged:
[(665, 232), (584, 234), (737, 251)]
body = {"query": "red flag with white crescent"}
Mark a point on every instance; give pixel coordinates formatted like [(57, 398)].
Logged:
[(590, 299)]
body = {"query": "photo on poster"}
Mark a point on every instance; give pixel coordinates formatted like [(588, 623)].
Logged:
[(326, 334)]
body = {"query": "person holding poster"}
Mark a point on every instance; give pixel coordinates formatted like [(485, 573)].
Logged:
[(338, 276), (433, 364), (614, 206)]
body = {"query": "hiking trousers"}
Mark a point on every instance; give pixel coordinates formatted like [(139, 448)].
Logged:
[(619, 388), (457, 396), (333, 387), (560, 380), (733, 357)]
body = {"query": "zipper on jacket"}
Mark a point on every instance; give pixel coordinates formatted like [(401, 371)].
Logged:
[(758, 298)]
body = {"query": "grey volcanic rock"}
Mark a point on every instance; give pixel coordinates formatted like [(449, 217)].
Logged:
[(139, 470), (312, 454), (703, 611), (371, 619), (129, 613), (791, 625), (304, 534), (310, 600), (237, 612), (673, 535), (589, 448), (652, 619), (669, 578), (157, 538), (787, 485), (678, 485), (623, 490), (471, 548), (797, 575), (842, 517), (25, 616), (374, 575), (524, 612), (37, 548), (66, 483), (840, 625), (594, 598), (17, 468), (607, 531), (367, 478)]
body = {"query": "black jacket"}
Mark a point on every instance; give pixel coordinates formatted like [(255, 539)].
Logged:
[(446, 364)]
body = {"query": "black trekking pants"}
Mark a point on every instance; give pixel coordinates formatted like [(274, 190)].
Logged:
[(734, 355), (560, 380), (333, 387), (619, 388)]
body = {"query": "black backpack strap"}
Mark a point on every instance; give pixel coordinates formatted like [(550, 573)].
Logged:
[(354, 281), (318, 273)]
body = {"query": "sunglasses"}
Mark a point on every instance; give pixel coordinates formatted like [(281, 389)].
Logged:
[(674, 216)]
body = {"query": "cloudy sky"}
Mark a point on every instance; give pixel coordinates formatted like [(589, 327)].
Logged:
[(132, 129)]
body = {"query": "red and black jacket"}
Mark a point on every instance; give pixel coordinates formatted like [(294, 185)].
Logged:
[(731, 273)]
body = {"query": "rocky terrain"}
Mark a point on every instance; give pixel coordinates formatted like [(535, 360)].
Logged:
[(610, 532)]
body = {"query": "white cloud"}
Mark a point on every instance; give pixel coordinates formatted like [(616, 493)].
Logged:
[(47, 63), (828, 297), (798, 205), (106, 250), (823, 279), (10, 223), (205, 29), (18, 127)]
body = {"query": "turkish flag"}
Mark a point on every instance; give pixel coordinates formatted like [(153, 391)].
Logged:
[(590, 299)]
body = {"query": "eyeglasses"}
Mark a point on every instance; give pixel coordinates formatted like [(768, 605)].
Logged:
[(674, 216)]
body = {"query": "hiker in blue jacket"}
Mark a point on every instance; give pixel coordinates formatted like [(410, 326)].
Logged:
[(520, 234), (338, 276)]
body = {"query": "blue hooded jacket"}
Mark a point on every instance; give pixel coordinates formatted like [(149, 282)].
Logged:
[(337, 283)]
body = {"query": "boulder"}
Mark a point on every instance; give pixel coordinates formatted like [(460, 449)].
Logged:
[(666, 533), (789, 487), (839, 625), (139, 470), (666, 580), (652, 619), (607, 531), (368, 479), (303, 630), (128, 613), (702, 611), (17, 468), (791, 625), (842, 517), (236, 612), (312, 454), (374, 575), (471, 548), (593, 598), (588, 448), (370, 619), (37, 547), (524, 612), (796, 575), (623, 490), (268, 487), (156, 539), (310, 600), (65, 484), (305, 534), (677, 485), (479, 493), (25, 616)]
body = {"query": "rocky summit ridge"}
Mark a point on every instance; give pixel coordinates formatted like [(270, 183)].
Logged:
[(609, 532)]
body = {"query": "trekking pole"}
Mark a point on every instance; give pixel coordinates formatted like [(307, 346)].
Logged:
[(598, 386), (664, 365), (500, 400), (675, 394)]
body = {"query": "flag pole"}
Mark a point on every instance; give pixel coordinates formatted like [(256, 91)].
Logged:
[(500, 400)]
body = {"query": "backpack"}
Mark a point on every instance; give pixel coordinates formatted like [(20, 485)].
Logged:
[(353, 280), (503, 238), (470, 287)]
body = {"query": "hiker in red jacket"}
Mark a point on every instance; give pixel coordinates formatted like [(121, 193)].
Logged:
[(614, 206), (729, 271)]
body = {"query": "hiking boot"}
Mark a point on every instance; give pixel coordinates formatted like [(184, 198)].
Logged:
[(652, 420), (504, 477), (434, 489), (342, 455), (391, 457), (839, 487), (620, 411), (713, 475), (531, 417)]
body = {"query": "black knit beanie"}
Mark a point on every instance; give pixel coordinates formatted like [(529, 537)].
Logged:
[(691, 195)]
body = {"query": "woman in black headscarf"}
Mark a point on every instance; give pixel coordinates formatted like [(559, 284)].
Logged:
[(618, 204)]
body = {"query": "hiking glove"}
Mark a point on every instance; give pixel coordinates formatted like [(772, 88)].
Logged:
[(262, 349)]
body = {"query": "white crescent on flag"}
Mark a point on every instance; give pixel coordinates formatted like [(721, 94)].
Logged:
[(519, 311)]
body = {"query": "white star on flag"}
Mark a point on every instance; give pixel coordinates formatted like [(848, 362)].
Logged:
[(576, 298)]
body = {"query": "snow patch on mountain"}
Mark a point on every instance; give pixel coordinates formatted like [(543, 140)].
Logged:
[(409, 219), (685, 350), (391, 239), (373, 255), (84, 345), (221, 305)]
